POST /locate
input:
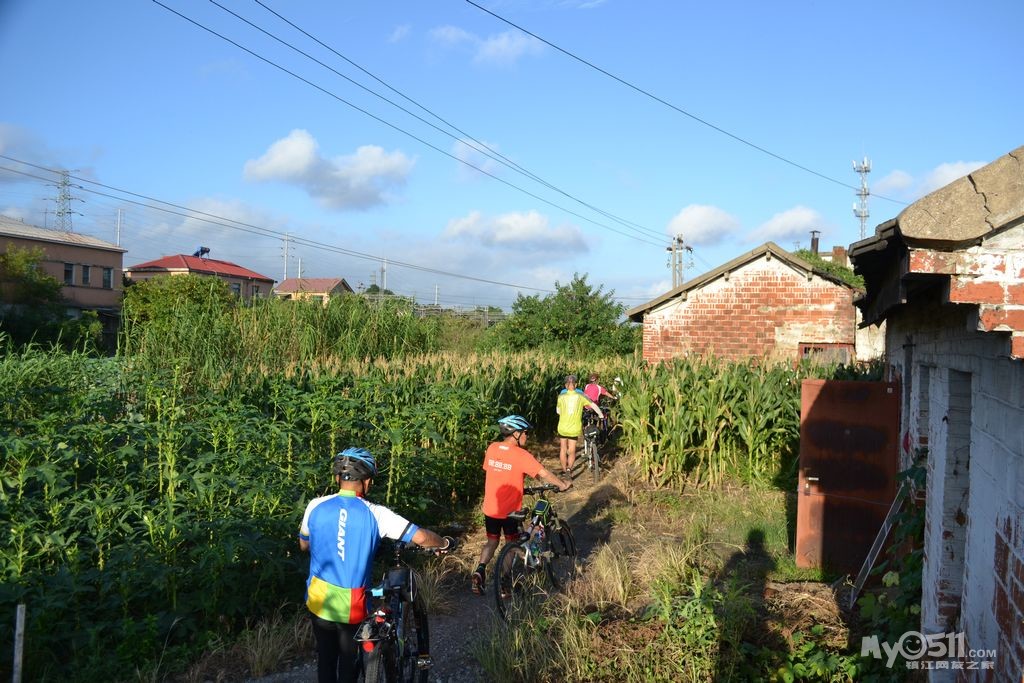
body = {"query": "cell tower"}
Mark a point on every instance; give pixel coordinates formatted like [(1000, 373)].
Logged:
[(63, 212), (860, 208)]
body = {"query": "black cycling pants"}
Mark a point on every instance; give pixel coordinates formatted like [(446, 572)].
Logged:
[(337, 653)]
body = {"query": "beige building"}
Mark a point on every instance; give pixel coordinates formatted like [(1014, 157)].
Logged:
[(315, 288), (89, 268), (246, 284)]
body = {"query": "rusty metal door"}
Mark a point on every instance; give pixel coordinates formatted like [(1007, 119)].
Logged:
[(849, 450)]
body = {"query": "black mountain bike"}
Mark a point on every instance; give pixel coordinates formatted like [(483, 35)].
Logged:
[(592, 429), (541, 561), (395, 638)]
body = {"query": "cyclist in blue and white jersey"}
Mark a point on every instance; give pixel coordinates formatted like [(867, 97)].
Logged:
[(341, 533)]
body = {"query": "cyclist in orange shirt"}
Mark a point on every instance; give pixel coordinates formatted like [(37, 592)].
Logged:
[(507, 464)]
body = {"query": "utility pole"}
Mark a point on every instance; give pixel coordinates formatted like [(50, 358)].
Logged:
[(860, 209), (118, 233), (300, 267), (435, 296), (284, 242), (676, 263), (383, 274)]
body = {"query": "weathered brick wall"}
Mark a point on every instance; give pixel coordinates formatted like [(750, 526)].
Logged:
[(965, 401), (764, 309)]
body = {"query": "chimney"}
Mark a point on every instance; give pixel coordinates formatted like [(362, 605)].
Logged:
[(839, 256), (814, 241)]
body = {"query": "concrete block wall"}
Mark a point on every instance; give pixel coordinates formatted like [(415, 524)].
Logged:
[(764, 309), (966, 403)]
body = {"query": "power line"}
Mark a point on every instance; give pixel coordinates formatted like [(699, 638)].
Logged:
[(477, 145), (402, 130), (668, 104), (261, 231)]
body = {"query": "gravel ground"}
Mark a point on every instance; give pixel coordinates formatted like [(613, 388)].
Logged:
[(473, 616)]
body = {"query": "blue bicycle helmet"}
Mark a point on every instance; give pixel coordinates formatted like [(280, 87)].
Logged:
[(355, 464), (510, 424)]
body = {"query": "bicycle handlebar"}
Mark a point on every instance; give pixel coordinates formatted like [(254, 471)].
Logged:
[(408, 546), (540, 489)]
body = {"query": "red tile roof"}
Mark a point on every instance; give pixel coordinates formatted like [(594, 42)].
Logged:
[(315, 285), (195, 264)]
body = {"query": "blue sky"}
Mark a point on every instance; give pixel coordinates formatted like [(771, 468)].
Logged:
[(127, 94)]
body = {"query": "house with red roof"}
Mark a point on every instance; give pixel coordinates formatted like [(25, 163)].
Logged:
[(245, 283), (313, 288)]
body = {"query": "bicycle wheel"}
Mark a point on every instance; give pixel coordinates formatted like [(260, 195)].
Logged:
[(562, 562), (520, 582), (595, 461), (379, 662), (413, 642)]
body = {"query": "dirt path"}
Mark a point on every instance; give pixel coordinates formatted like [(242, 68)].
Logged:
[(452, 635)]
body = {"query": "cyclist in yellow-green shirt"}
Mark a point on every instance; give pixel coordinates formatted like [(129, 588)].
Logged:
[(571, 402)]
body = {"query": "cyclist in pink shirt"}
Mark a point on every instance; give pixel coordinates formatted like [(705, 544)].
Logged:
[(595, 391)]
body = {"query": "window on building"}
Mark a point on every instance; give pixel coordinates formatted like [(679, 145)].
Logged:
[(85, 274), (108, 278), (255, 290), (826, 353), (236, 288), (69, 273)]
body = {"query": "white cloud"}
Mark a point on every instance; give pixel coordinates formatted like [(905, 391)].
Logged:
[(658, 288), (905, 186), (21, 143), (400, 33), (15, 212), (700, 224), (453, 35), (896, 182), (469, 152), (944, 174), (545, 277), (506, 48), (501, 48), (795, 223), (356, 181), (529, 232)]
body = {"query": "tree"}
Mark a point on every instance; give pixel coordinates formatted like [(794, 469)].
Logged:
[(577, 318), (160, 298), (33, 308), (179, 316)]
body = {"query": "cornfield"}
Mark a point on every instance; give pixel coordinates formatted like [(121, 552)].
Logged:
[(149, 503)]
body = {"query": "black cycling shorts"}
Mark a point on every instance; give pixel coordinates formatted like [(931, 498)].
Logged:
[(495, 526)]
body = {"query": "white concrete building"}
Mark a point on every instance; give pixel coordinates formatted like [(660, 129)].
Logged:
[(947, 278)]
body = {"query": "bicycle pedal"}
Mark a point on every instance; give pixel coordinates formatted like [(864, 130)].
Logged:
[(424, 662)]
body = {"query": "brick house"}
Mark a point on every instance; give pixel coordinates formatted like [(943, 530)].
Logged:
[(88, 267), (766, 303), (245, 283), (947, 277), (315, 288)]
